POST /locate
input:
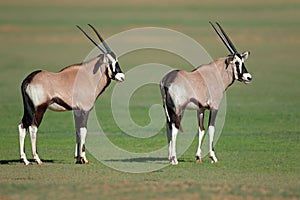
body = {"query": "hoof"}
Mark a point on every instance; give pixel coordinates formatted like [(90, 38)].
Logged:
[(198, 159), (213, 157), (25, 162), (174, 161), (86, 162), (39, 163), (82, 161)]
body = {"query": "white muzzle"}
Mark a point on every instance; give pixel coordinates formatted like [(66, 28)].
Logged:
[(120, 77), (247, 77)]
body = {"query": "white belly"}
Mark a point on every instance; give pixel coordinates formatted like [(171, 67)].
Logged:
[(192, 106), (56, 107)]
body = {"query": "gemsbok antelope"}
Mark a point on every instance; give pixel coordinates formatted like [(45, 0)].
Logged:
[(75, 88), (201, 89)]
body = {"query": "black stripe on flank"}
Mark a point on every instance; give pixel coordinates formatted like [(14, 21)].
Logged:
[(60, 102)]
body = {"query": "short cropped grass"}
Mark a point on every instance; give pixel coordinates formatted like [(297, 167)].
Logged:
[(259, 146)]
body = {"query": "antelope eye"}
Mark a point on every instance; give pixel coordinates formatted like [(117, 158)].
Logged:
[(237, 63)]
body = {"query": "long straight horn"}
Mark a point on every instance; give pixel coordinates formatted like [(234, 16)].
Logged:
[(101, 39), (227, 38), (223, 39), (93, 41)]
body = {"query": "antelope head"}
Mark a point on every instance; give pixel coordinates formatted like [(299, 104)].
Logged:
[(114, 68), (236, 59)]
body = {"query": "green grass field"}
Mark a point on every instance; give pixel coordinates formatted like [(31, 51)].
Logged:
[(259, 146)]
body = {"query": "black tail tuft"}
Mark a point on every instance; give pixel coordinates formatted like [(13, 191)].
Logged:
[(170, 106), (29, 108)]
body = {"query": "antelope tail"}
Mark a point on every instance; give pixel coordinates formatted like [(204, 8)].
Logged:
[(169, 106), (29, 109)]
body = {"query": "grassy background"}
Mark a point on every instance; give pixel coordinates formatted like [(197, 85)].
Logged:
[(259, 146)]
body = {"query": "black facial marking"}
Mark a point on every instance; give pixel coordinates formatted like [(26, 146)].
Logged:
[(239, 68), (237, 64), (244, 70), (118, 68), (239, 55)]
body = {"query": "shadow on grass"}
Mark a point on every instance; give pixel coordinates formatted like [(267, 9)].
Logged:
[(150, 159), (141, 159), (186, 160), (9, 162)]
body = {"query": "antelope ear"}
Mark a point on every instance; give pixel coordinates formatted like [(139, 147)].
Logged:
[(245, 55), (97, 66), (102, 59)]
